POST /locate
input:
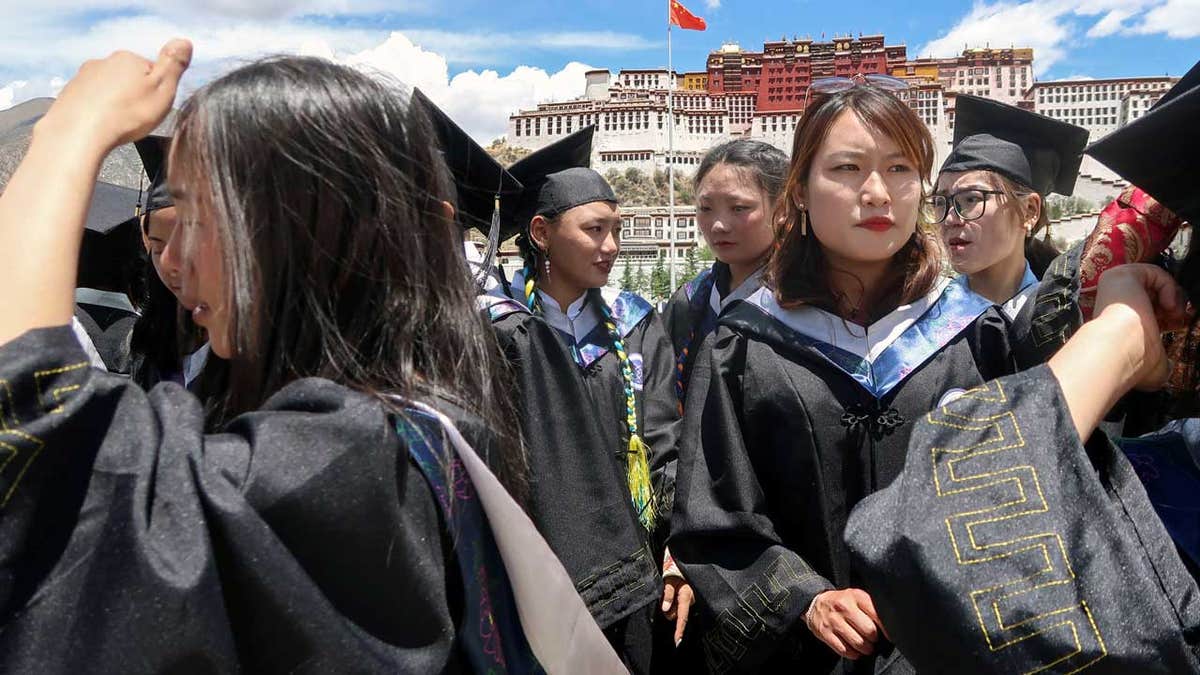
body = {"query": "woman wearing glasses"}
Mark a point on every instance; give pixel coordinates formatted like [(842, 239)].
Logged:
[(800, 403), (990, 198)]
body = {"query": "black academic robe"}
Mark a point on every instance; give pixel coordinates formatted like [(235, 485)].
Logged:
[(302, 538), (110, 328), (639, 637), (690, 316), (1008, 546), (783, 435), (579, 496)]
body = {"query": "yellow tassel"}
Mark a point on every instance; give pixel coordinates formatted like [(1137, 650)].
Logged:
[(638, 461)]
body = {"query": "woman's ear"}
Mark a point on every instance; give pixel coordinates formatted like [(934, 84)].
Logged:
[(144, 228), (448, 211), (1033, 211), (539, 232)]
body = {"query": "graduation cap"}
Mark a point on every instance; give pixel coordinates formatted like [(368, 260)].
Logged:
[(478, 178), (1158, 152), (557, 178), (153, 151), (1034, 150), (109, 238)]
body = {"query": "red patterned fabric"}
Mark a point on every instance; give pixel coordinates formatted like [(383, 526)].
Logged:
[(1133, 228)]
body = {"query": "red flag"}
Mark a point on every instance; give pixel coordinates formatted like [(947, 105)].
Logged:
[(681, 17)]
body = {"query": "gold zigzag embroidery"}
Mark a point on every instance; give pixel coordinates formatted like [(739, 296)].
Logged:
[(14, 442), (984, 537)]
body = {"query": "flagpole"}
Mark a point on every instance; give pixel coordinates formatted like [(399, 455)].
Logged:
[(671, 229)]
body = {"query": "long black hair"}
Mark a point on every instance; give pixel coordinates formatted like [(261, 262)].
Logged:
[(339, 258)]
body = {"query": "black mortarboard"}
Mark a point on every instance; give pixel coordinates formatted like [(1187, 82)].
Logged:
[(109, 238), (1158, 152), (153, 151), (478, 178), (1034, 150), (557, 178)]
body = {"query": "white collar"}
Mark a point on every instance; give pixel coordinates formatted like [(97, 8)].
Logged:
[(744, 290), (575, 321), (866, 343)]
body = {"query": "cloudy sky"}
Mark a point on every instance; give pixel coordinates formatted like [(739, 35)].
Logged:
[(482, 64)]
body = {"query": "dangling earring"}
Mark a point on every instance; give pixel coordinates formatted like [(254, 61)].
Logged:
[(803, 222), (547, 257)]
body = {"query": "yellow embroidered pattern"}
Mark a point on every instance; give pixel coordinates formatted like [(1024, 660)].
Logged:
[(1035, 563), (19, 449)]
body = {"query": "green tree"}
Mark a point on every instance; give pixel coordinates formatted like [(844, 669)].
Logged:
[(639, 282), (627, 278), (690, 266), (705, 256), (660, 280)]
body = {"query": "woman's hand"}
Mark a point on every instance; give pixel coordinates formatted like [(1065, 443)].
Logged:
[(677, 603), (118, 99), (1146, 301), (845, 621), (44, 206), (1121, 348)]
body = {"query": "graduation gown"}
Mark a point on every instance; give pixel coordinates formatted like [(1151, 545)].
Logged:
[(1008, 546), (651, 360), (692, 312), (108, 319), (579, 496), (305, 537), (792, 420)]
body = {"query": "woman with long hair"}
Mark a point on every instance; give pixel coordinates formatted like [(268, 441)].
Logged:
[(801, 402), (339, 519), (737, 186), (1020, 537)]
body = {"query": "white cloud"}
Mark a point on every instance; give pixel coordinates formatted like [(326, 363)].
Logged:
[(1176, 18), (712, 4), (479, 101), (1052, 27)]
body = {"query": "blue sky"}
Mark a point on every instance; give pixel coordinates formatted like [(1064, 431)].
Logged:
[(916, 24), (481, 63)]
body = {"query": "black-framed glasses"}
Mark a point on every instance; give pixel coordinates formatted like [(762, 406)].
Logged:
[(968, 204), (833, 85)]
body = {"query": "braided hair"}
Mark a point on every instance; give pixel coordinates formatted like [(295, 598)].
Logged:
[(637, 457), (637, 454)]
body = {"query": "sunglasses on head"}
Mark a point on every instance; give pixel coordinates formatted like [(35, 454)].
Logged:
[(825, 86)]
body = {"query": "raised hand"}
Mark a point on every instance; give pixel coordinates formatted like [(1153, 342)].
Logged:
[(118, 99), (1149, 301)]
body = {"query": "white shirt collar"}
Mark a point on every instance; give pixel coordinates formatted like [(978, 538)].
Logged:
[(576, 321), (865, 342), (744, 290)]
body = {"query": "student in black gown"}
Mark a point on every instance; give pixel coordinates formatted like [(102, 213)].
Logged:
[(1008, 544), (801, 402), (737, 186), (165, 345), (990, 195), (340, 521), (578, 490), (570, 236), (108, 264)]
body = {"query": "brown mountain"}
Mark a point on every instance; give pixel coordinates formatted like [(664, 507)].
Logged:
[(122, 167)]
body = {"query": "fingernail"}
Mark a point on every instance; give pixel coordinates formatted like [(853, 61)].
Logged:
[(666, 606), (677, 642)]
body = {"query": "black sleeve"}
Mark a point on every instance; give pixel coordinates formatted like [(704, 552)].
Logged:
[(724, 535), (301, 538), (659, 409), (1034, 551), (677, 318)]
